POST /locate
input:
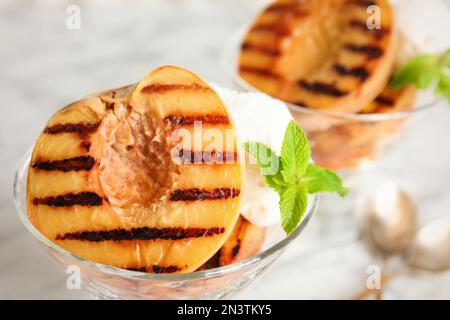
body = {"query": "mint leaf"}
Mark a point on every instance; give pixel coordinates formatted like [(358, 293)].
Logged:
[(287, 203), (418, 71), (427, 77), (445, 60), (317, 179), (293, 204), (292, 175), (423, 71), (268, 161), (295, 153), (266, 158), (443, 86)]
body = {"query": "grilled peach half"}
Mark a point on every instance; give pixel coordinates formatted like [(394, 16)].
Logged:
[(320, 54), (244, 242), (123, 178)]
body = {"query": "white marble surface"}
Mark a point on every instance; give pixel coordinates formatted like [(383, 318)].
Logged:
[(44, 66)]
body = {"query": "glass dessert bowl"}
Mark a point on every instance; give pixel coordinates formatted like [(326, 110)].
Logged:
[(351, 141), (120, 192), (354, 141), (335, 82), (107, 282)]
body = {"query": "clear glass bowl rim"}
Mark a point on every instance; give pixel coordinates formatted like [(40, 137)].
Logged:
[(229, 63), (198, 275)]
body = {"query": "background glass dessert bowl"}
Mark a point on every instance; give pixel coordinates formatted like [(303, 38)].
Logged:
[(336, 81), (107, 282)]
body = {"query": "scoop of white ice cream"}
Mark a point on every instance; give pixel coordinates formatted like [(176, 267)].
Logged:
[(260, 205), (260, 118), (257, 116)]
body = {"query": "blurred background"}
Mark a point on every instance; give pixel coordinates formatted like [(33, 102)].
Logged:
[(44, 64)]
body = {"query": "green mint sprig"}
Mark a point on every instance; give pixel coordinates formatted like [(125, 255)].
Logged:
[(425, 70), (292, 175)]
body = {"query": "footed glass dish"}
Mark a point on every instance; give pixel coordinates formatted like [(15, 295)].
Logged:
[(107, 282)]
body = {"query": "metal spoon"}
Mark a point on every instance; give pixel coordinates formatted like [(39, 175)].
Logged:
[(430, 249), (391, 221), (391, 226)]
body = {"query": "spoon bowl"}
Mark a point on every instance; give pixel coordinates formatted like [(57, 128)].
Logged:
[(430, 249), (391, 222)]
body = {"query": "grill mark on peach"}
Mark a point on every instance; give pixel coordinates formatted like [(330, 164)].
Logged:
[(322, 88), (213, 262), (372, 52), (157, 269), (160, 88), (87, 199), (275, 28), (362, 3), (291, 7), (175, 120), (357, 72), (362, 26), (109, 105), (83, 129), (200, 195), (85, 145), (236, 249), (143, 233), (280, 7), (84, 163), (260, 72), (301, 104), (206, 157), (384, 101), (260, 49)]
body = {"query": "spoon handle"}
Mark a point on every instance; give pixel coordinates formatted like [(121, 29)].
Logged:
[(385, 279), (364, 295)]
